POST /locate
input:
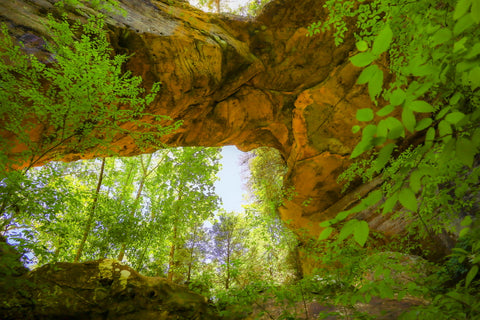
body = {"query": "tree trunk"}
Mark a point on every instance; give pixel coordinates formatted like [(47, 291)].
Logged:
[(227, 278), (88, 226), (121, 254), (145, 174), (192, 248), (171, 257)]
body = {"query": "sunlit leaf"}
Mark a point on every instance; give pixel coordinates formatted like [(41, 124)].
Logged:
[(407, 198), (397, 97), (390, 203), (382, 41), (474, 77), (421, 106), (466, 221), (367, 74), (385, 110), (325, 233), (383, 156), (463, 232), (461, 8), (454, 117), (465, 151), (445, 130), (423, 124), (441, 36), (395, 128), (362, 59), (361, 45), (347, 229), (408, 119), (360, 233), (471, 275), (375, 84), (365, 114), (475, 12)]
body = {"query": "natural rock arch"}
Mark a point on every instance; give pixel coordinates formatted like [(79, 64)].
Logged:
[(244, 82)]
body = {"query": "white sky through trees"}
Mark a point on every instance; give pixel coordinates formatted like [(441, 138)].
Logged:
[(231, 4), (229, 187)]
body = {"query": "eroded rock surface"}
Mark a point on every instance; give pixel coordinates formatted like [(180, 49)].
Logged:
[(102, 289), (236, 81), (244, 82)]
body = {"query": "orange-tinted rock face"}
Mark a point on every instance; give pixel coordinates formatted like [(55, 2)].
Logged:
[(241, 82)]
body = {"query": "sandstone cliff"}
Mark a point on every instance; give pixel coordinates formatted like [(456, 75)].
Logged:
[(236, 81)]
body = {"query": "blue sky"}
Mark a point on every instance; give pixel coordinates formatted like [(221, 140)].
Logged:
[(229, 187)]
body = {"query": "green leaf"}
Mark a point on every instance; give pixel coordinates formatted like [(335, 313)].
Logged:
[(461, 8), (459, 46), (466, 22), (471, 275), (375, 84), (327, 223), (423, 124), (372, 199), (475, 12), (408, 119), (473, 52), (325, 233), (382, 41), (474, 77), (430, 134), (397, 97), (395, 128), (355, 128), (383, 157), (365, 114), (360, 233), (416, 180), (367, 74), (465, 151), (362, 59), (360, 148), (385, 110), (421, 106), (407, 198), (454, 117), (342, 215), (382, 129), (466, 221), (347, 229), (390, 203), (463, 232), (362, 45), (445, 130), (442, 112), (441, 36)]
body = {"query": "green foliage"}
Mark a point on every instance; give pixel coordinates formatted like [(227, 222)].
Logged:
[(77, 99), (53, 203), (433, 55)]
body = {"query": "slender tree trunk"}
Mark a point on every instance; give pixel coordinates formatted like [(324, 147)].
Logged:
[(88, 226), (145, 174), (190, 263), (217, 5), (227, 280), (121, 254), (171, 259)]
